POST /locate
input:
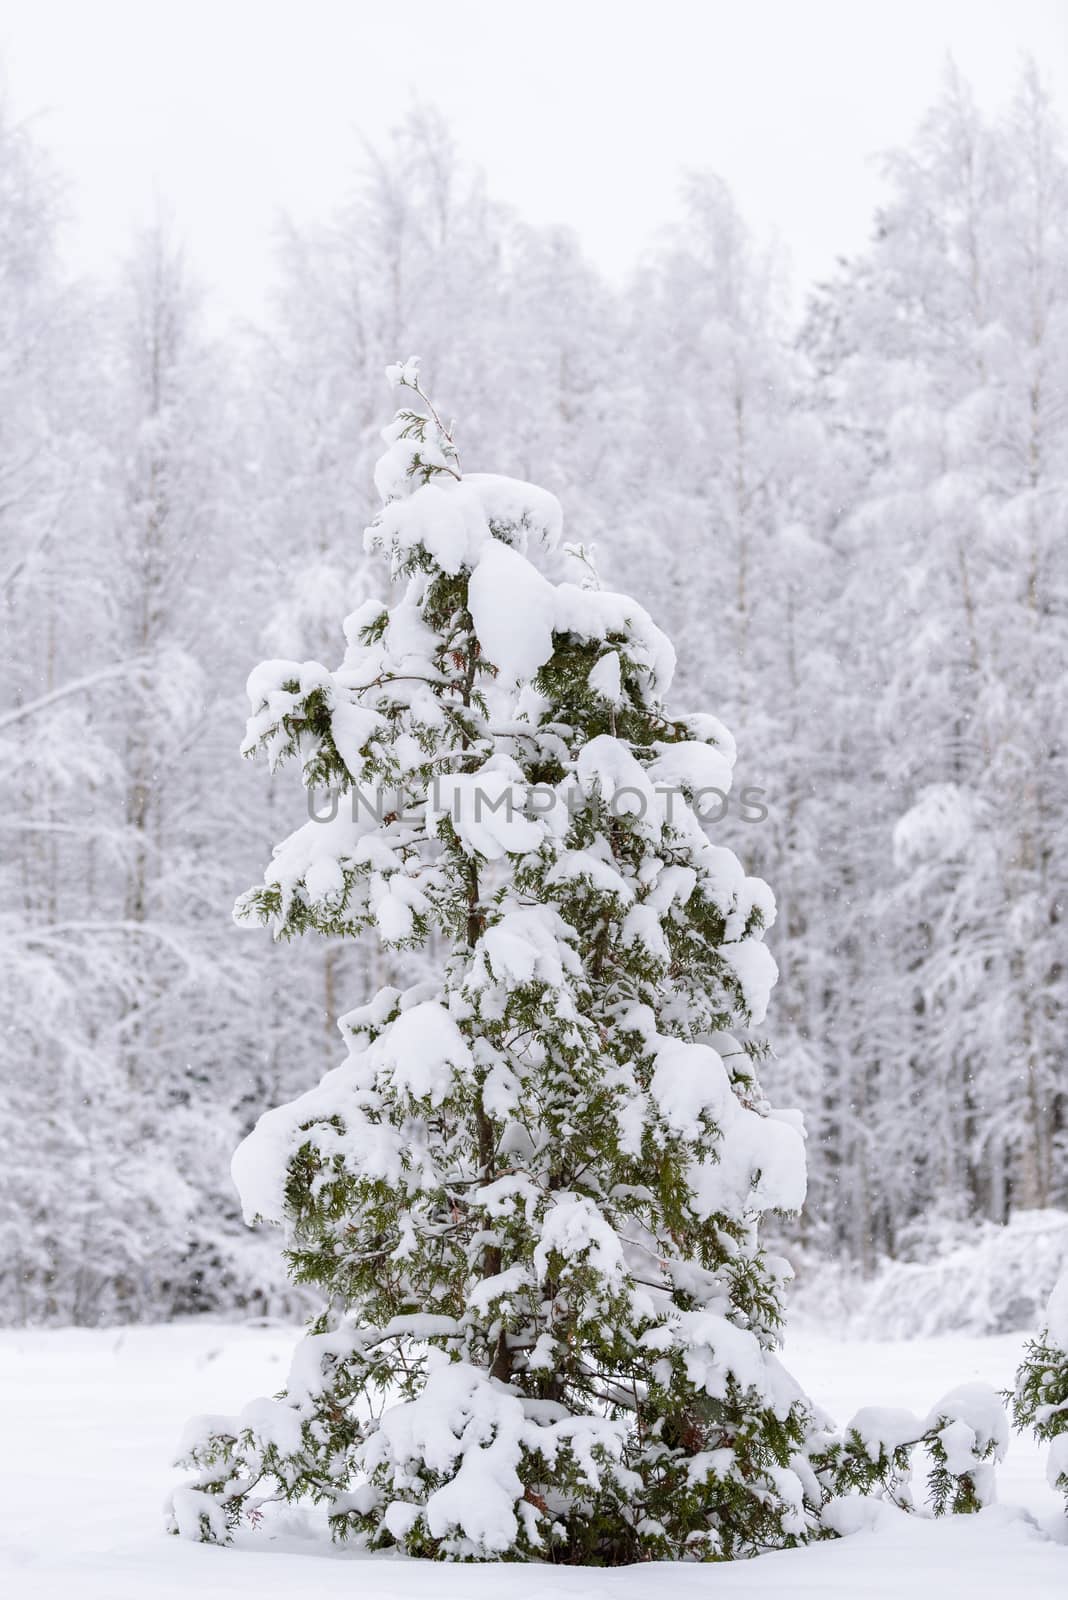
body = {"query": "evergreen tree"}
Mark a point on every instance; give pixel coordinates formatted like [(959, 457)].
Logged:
[(530, 1195)]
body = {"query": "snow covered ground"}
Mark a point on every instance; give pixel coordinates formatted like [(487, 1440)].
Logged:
[(90, 1420)]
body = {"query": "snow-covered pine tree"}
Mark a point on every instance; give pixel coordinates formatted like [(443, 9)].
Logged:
[(1041, 1398), (530, 1196)]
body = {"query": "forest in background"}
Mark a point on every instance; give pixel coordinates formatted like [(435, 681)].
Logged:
[(852, 523)]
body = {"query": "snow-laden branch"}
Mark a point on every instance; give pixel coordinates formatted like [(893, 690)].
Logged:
[(75, 686)]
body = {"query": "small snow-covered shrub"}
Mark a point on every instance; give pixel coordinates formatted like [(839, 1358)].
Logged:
[(963, 1436), (965, 1433), (1040, 1401)]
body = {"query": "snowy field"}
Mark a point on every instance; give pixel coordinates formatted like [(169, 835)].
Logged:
[(91, 1419)]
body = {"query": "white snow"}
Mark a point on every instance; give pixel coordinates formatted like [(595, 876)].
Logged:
[(987, 1278), (885, 1428), (977, 1407), (754, 966), (514, 609), (689, 1079), (458, 522), (605, 678), (460, 1417), (1057, 1460), (574, 1228), (93, 1418), (1057, 1311), (312, 860), (421, 1052), (486, 810), (938, 827), (404, 373), (693, 767), (514, 509), (761, 1166), (270, 701), (606, 766), (525, 945), (595, 613)]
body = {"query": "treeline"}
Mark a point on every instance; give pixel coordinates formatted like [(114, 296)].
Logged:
[(854, 528)]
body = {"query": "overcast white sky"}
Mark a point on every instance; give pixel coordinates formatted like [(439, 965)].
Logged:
[(582, 111)]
